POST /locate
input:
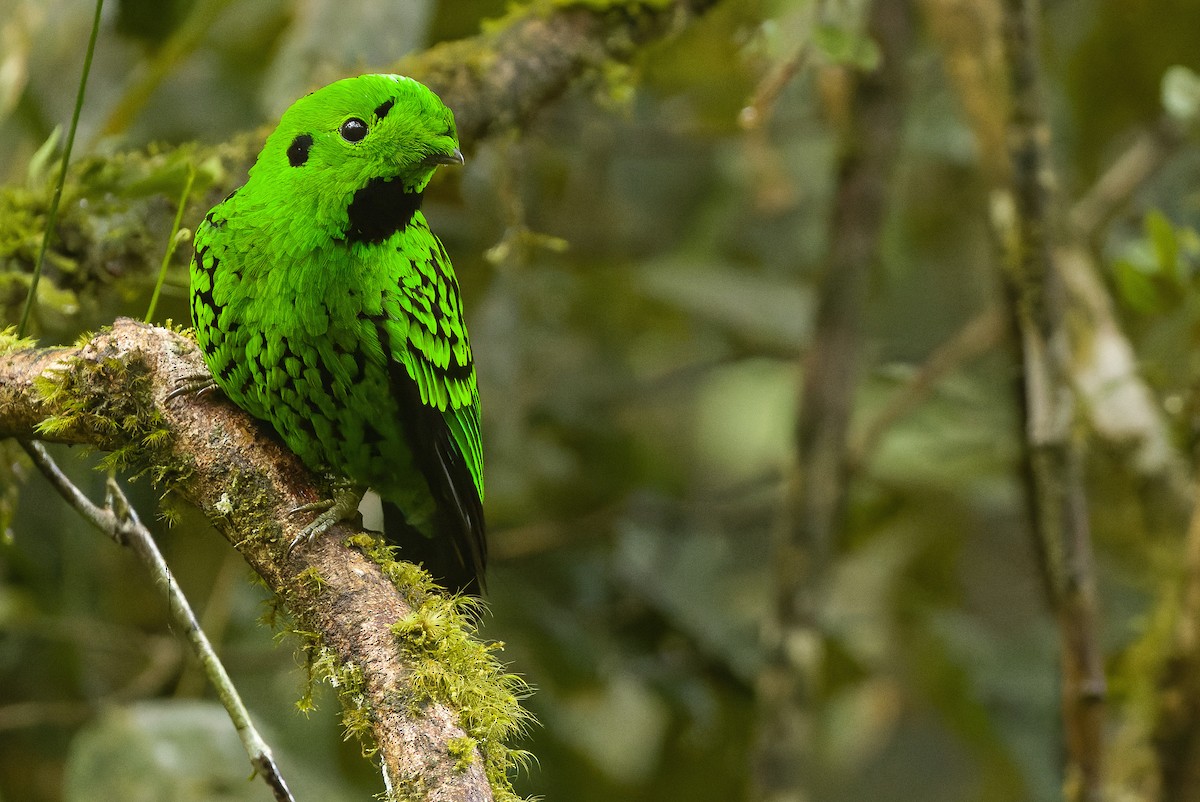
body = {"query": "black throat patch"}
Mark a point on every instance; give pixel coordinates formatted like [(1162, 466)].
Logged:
[(379, 210)]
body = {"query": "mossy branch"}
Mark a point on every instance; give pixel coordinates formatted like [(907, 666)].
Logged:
[(494, 81), (415, 682)]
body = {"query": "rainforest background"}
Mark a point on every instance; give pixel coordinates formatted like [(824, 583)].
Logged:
[(748, 324)]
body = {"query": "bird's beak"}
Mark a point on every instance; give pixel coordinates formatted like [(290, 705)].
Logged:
[(453, 157)]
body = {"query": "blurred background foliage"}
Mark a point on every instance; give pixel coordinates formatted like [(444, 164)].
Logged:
[(640, 275)]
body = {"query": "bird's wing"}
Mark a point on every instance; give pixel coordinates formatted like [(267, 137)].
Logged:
[(447, 450), (432, 377)]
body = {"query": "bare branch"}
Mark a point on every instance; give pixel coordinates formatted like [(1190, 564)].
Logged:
[(812, 518), (1026, 228), (375, 624), (120, 521), (1129, 172), (1114, 397)]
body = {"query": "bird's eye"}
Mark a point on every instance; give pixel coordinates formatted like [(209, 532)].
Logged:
[(353, 130)]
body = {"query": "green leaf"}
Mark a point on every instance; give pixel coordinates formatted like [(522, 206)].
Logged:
[(1162, 238), (1135, 287), (842, 46), (42, 161)]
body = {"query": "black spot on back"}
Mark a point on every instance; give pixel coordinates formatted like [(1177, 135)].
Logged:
[(297, 152), (383, 108)]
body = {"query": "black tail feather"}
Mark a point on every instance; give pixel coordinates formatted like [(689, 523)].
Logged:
[(439, 555)]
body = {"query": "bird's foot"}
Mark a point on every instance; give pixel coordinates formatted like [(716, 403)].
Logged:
[(197, 383), (342, 507)]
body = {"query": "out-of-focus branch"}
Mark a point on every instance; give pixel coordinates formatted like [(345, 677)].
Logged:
[(1026, 228), (1119, 406), (1151, 149), (120, 521), (980, 334), (430, 698), (493, 81), (760, 108), (1177, 717), (788, 692), (502, 77)]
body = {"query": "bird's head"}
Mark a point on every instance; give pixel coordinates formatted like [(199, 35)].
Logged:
[(358, 153)]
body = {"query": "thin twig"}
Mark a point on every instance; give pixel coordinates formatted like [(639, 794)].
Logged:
[(758, 111), (120, 521), (1129, 172), (173, 241), (52, 215), (979, 335)]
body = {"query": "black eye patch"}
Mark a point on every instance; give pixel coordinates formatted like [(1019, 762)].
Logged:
[(297, 152), (383, 108)]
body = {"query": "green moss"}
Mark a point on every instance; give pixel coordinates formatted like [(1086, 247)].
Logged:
[(452, 666), (412, 581), (312, 578), (9, 341), (463, 752), (170, 509), (310, 644), (125, 422), (105, 236), (373, 548), (347, 681), (252, 493), (274, 616), (412, 787), (20, 237)]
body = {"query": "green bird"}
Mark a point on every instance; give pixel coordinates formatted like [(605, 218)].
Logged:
[(324, 305)]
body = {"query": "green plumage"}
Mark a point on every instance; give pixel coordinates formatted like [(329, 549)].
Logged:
[(325, 305)]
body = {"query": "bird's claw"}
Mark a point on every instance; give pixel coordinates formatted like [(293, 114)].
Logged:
[(198, 383), (342, 507)]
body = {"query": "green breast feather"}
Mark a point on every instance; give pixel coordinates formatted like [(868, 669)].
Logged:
[(325, 306)]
